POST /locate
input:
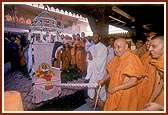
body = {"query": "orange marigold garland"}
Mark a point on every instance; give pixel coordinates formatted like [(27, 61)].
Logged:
[(45, 72)]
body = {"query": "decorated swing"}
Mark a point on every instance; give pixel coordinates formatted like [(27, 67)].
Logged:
[(44, 37)]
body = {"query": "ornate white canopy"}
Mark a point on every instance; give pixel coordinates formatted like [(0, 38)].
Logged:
[(44, 22)]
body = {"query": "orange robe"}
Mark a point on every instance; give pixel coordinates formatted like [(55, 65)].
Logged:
[(80, 55), (58, 57), (13, 101), (123, 100), (66, 57), (63, 56), (159, 65), (83, 56), (73, 54), (141, 51), (146, 85)]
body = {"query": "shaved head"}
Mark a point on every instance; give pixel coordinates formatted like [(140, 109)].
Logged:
[(120, 46), (157, 47), (160, 38), (121, 40)]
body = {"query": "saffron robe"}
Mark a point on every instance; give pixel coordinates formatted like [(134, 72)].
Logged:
[(66, 58), (145, 87), (73, 54), (13, 101), (58, 54), (119, 67), (80, 55), (141, 51), (159, 65)]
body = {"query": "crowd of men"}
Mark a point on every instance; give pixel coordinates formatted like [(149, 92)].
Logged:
[(131, 80)]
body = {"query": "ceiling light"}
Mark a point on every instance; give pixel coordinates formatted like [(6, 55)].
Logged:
[(116, 9), (117, 19)]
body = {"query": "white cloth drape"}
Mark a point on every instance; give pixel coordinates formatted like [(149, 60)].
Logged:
[(97, 68)]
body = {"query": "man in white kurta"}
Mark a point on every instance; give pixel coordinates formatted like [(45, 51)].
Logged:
[(97, 65), (88, 44)]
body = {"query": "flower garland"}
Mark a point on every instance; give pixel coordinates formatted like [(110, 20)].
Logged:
[(45, 72)]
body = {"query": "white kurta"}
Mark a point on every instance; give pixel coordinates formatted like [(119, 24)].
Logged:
[(97, 68)]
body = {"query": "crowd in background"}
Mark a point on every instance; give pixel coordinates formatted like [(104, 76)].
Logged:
[(75, 50)]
